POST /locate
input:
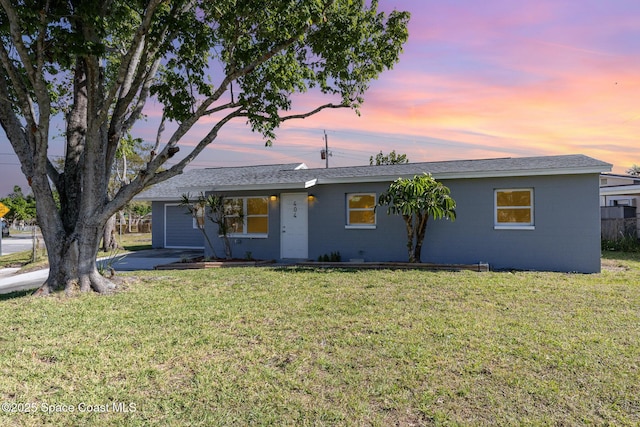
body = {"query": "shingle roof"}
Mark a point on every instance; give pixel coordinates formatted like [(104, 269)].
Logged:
[(293, 175), (196, 180), (544, 165)]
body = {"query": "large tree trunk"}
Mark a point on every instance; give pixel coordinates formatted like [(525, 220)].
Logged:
[(63, 263), (72, 261), (71, 231)]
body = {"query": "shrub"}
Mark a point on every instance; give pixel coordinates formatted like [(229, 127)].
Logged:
[(625, 243), (332, 257)]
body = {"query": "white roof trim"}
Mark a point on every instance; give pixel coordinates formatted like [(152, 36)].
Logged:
[(621, 190)]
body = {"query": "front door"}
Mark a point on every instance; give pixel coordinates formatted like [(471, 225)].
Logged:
[(294, 227)]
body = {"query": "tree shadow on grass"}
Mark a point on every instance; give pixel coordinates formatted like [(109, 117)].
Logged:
[(138, 247), (16, 294)]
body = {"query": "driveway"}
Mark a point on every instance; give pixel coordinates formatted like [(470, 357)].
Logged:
[(131, 261), (149, 258)]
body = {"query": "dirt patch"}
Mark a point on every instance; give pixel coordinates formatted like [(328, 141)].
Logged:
[(613, 265)]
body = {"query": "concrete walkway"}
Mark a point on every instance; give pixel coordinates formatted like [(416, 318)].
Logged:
[(131, 261)]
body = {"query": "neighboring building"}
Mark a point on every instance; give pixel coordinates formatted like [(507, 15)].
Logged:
[(619, 190), (535, 213), (619, 201)]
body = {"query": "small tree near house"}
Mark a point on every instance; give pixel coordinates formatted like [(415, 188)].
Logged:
[(212, 207), (417, 199), (216, 214)]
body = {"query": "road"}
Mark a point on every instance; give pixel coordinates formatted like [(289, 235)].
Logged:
[(16, 243)]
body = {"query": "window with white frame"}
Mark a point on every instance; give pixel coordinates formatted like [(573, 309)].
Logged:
[(247, 216), (361, 210), (198, 216), (514, 208)]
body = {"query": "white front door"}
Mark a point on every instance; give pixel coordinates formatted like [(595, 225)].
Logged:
[(294, 226)]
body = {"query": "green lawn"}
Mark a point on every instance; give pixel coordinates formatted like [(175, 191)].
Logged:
[(325, 347)]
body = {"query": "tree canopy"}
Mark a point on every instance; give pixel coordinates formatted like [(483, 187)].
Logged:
[(22, 208), (388, 159), (634, 170), (95, 64)]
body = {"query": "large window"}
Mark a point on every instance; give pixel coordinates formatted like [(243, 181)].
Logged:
[(247, 216), (361, 210), (514, 208)]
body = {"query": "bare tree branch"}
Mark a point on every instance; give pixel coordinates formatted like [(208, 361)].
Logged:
[(143, 96), (314, 111), (158, 137), (13, 128), (221, 108)]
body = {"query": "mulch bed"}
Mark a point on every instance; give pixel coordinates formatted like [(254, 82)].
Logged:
[(200, 263)]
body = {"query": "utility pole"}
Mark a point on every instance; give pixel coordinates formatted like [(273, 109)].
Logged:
[(324, 154)]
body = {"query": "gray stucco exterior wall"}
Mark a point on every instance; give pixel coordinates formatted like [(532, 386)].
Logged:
[(565, 235), (172, 227), (328, 232)]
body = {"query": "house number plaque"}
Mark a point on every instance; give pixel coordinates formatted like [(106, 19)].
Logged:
[(295, 209)]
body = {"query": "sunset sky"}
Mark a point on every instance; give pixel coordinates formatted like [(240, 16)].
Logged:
[(476, 80)]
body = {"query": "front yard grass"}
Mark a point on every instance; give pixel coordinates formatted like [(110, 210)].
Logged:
[(269, 346)]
